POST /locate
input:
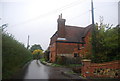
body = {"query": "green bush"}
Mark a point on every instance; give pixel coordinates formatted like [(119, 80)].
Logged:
[(61, 60), (46, 55), (42, 59), (14, 56), (105, 44), (36, 56)]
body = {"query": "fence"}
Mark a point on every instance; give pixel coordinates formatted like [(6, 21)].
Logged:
[(108, 69)]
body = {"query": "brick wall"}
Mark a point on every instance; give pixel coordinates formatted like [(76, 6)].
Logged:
[(108, 69), (66, 48), (85, 50), (53, 52), (62, 49)]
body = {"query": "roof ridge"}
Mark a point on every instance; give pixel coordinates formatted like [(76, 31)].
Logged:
[(74, 26), (87, 29)]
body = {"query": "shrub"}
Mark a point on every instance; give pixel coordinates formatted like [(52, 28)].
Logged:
[(46, 55), (61, 60), (14, 56)]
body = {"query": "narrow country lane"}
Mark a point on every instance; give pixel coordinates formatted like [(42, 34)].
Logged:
[(36, 70)]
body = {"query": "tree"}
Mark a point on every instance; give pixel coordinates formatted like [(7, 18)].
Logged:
[(46, 55), (106, 43), (35, 47), (37, 54), (111, 43)]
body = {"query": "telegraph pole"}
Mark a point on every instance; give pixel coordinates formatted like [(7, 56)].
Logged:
[(28, 42), (119, 13), (93, 30), (92, 11)]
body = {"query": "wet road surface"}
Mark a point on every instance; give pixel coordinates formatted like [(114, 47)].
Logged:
[(36, 70)]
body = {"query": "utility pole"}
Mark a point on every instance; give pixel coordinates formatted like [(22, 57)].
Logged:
[(28, 42), (119, 13), (92, 11), (93, 31)]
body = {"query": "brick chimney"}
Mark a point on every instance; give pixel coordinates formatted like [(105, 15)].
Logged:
[(61, 28)]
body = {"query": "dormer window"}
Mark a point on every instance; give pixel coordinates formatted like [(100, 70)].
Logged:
[(61, 38)]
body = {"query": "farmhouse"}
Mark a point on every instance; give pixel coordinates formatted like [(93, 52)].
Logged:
[(70, 41)]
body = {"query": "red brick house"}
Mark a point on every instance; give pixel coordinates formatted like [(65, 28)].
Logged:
[(70, 41)]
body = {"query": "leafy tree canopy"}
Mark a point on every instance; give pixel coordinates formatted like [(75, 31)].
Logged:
[(107, 46), (35, 47), (38, 51)]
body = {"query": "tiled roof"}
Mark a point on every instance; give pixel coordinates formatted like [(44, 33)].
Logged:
[(73, 33)]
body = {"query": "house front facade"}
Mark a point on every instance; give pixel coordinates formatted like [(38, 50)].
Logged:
[(70, 41)]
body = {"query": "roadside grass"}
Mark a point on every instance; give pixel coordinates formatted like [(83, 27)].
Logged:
[(56, 65), (14, 56), (42, 60), (71, 72), (69, 65)]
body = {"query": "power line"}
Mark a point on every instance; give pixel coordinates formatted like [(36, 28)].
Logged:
[(99, 13), (52, 12), (71, 5), (84, 13), (100, 9)]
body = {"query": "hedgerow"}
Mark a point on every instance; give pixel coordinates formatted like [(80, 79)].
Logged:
[(14, 56)]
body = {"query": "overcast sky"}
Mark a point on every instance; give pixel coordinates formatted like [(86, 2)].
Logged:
[(38, 18)]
